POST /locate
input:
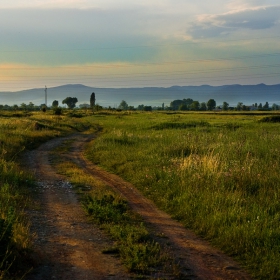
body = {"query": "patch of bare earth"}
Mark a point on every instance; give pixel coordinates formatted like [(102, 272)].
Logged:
[(70, 248)]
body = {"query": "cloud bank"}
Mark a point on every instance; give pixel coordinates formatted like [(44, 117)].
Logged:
[(257, 18)]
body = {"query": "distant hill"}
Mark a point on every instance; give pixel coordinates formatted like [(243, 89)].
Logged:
[(154, 96)]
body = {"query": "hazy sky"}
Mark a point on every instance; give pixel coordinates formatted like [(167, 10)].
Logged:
[(124, 43)]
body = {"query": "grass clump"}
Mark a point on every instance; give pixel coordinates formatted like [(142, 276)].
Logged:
[(133, 242)]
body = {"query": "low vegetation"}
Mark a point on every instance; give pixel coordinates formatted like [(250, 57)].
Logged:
[(217, 174)]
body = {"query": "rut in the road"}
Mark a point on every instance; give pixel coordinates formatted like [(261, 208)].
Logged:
[(66, 245)]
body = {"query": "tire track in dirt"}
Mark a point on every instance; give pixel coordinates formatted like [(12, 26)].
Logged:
[(66, 245)]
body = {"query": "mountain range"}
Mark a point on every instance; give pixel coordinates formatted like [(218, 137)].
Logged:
[(150, 96)]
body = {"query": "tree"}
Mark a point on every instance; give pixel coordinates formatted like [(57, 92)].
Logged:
[(266, 106), (203, 106), (148, 108), (275, 107), (55, 103), (70, 102), (194, 106), (176, 104), (239, 106), (23, 106), (183, 107), (140, 107), (92, 100), (260, 106), (30, 106), (211, 104), (225, 106), (123, 105)]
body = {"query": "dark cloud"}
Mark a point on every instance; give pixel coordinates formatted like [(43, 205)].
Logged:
[(217, 25)]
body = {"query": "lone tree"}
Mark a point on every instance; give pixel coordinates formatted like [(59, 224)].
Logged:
[(55, 103), (92, 100), (70, 101), (211, 104), (225, 106), (123, 105)]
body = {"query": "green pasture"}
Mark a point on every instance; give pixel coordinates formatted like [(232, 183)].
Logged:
[(216, 173)]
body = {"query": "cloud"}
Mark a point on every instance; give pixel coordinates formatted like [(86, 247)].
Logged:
[(249, 18)]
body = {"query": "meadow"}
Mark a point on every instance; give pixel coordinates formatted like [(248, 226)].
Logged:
[(216, 173)]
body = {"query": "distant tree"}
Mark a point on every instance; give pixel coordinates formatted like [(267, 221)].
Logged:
[(55, 103), (183, 107), (140, 107), (15, 107), (260, 106), (175, 104), (194, 106), (211, 104), (275, 107), (30, 106), (266, 106), (203, 106), (123, 105), (225, 106), (148, 108), (23, 106), (70, 102), (239, 106), (92, 100)]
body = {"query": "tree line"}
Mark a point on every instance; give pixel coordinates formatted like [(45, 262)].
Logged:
[(175, 105)]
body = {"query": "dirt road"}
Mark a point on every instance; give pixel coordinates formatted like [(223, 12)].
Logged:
[(68, 247)]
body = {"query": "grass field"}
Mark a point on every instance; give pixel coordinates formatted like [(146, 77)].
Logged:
[(216, 173)]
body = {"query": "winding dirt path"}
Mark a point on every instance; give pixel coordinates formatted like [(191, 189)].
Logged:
[(68, 247)]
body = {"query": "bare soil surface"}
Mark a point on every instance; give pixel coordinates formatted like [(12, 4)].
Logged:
[(67, 246)]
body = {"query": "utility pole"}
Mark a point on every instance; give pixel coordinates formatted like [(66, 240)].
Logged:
[(46, 95)]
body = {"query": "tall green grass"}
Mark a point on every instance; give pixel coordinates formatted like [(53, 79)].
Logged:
[(217, 174)]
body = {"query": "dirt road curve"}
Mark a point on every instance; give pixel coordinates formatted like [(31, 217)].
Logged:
[(68, 247)]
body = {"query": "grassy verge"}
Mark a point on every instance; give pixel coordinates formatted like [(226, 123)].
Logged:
[(216, 173), (18, 132)]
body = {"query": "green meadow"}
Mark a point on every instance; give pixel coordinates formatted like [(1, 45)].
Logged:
[(218, 174)]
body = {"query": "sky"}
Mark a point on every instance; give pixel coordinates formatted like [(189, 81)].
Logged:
[(147, 43)]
